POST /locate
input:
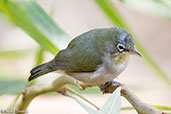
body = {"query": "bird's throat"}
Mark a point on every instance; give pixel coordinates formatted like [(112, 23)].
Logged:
[(120, 58)]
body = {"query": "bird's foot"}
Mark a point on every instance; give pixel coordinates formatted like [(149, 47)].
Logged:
[(62, 91), (104, 87)]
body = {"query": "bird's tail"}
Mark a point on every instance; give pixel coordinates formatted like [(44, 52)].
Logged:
[(41, 70)]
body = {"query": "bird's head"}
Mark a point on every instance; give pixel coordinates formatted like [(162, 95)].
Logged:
[(124, 42)]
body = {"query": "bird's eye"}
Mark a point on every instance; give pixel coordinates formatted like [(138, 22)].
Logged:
[(120, 47)]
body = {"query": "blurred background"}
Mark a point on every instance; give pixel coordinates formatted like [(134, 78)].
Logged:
[(148, 19)]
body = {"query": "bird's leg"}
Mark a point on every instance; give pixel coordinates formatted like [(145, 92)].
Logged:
[(62, 91), (103, 87)]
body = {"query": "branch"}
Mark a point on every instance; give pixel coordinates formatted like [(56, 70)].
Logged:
[(29, 93), (140, 107)]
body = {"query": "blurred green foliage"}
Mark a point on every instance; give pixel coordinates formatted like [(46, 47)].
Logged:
[(13, 54), (11, 86), (166, 108), (160, 8), (32, 19), (116, 18), (36, 23)]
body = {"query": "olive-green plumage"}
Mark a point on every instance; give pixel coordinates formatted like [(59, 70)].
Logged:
[(89, 51)]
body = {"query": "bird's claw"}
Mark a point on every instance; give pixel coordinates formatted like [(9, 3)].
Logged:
[(103, 87)]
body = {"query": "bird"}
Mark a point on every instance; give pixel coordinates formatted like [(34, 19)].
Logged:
[(94, 57)]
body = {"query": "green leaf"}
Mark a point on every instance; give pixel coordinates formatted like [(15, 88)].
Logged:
[(166, 108), (87, 108), (112, 106), (39, 57), (31, 18), (159, 8), (115, 17), (12, 86), (13, 54)]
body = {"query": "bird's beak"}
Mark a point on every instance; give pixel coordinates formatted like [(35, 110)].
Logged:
[(135, 52)]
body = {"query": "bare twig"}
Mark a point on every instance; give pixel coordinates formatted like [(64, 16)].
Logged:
[(140, 107), (28, 94)]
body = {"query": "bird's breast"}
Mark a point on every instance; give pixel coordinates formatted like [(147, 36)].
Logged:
[(108, 71)]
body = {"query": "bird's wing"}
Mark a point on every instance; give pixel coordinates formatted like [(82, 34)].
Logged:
[(77, 62), (81, 55)]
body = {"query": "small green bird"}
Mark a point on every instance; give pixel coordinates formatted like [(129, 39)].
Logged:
[(95, 57)]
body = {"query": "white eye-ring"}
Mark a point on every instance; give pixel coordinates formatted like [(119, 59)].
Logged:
[(120, 47)]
